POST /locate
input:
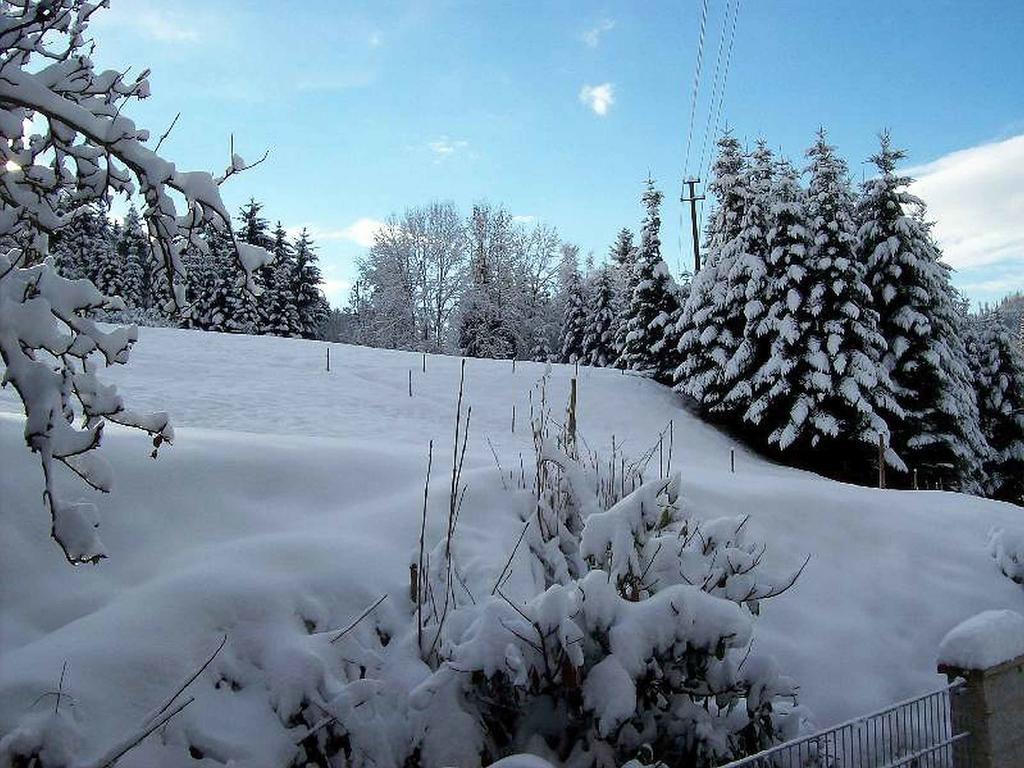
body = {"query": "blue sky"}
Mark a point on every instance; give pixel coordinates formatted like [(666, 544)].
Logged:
[(559, 110)]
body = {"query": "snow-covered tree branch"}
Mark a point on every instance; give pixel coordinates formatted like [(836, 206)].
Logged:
[(65, 144)]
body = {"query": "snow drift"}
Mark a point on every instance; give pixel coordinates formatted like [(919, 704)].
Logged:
[(283, 533)]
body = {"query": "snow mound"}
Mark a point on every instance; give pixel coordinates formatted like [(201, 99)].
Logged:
[(984, 641), (1007, 547)]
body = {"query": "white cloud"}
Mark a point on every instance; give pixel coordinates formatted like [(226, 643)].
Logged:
[(165, 28), (336, 291), (374, 41), (976, 198), (524, 219), (995, 287), (445, 147), (361, 232), (598, 97), (592, 37), (153, 21)]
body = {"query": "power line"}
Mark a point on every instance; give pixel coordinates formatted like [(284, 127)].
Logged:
[(728, 62), (697, 69), (714, 85), (696, 83), (725, 80)]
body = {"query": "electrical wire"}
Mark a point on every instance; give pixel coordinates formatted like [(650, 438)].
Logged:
[(696, 85)]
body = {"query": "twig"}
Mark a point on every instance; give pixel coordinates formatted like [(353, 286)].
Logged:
[(501, 472), (362, 616), (118, 751), (187, 683), (423, 530), (167, 132), (508, 563), (60, 686)]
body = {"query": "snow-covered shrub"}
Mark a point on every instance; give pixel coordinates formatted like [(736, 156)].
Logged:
[(1007, 549), (633, 631), (65, 144)]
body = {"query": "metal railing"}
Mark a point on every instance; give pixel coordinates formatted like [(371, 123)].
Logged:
[(916, 733)]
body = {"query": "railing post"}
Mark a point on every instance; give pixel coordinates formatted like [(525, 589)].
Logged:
[(987, 652)]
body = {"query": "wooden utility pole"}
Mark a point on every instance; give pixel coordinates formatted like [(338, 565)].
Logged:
[(692, 200)]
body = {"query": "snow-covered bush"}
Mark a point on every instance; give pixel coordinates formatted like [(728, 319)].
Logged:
[(632, 633), (1007, 549), (65, 144)]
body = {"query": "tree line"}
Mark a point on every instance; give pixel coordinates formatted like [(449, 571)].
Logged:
[(822, 326), (116, 256)]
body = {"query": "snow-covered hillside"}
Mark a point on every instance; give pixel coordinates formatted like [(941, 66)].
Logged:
[(293, 495)]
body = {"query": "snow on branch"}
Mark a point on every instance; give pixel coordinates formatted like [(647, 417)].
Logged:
[(65, 144)]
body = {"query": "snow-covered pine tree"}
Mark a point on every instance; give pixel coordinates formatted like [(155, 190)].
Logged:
[(137, 263), (623, 255), (574, 307), (940, 433), (673, 329), (310, 304), (599, 338), (80, 247), (240, 309), (747, 298), (204, 290), (254, 229), (821, 393), (997, 362), (104, 261), (653, 302), (708, 336), (277, 303)]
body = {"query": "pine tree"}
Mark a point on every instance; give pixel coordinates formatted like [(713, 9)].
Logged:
[(708, 334), (79, 248), (574, 315), (653, 301), (137, 262), (204, 292), (311, 306), (623, 255), (822, 391), (926, 360), (105, 262), (279, 314), (998, 365), (599, 336), (240, 310), (746, 297)]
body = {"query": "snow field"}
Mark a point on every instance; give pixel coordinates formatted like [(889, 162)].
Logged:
[(291, 500)]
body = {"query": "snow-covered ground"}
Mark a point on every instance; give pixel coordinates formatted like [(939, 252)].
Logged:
[(291, 499)]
